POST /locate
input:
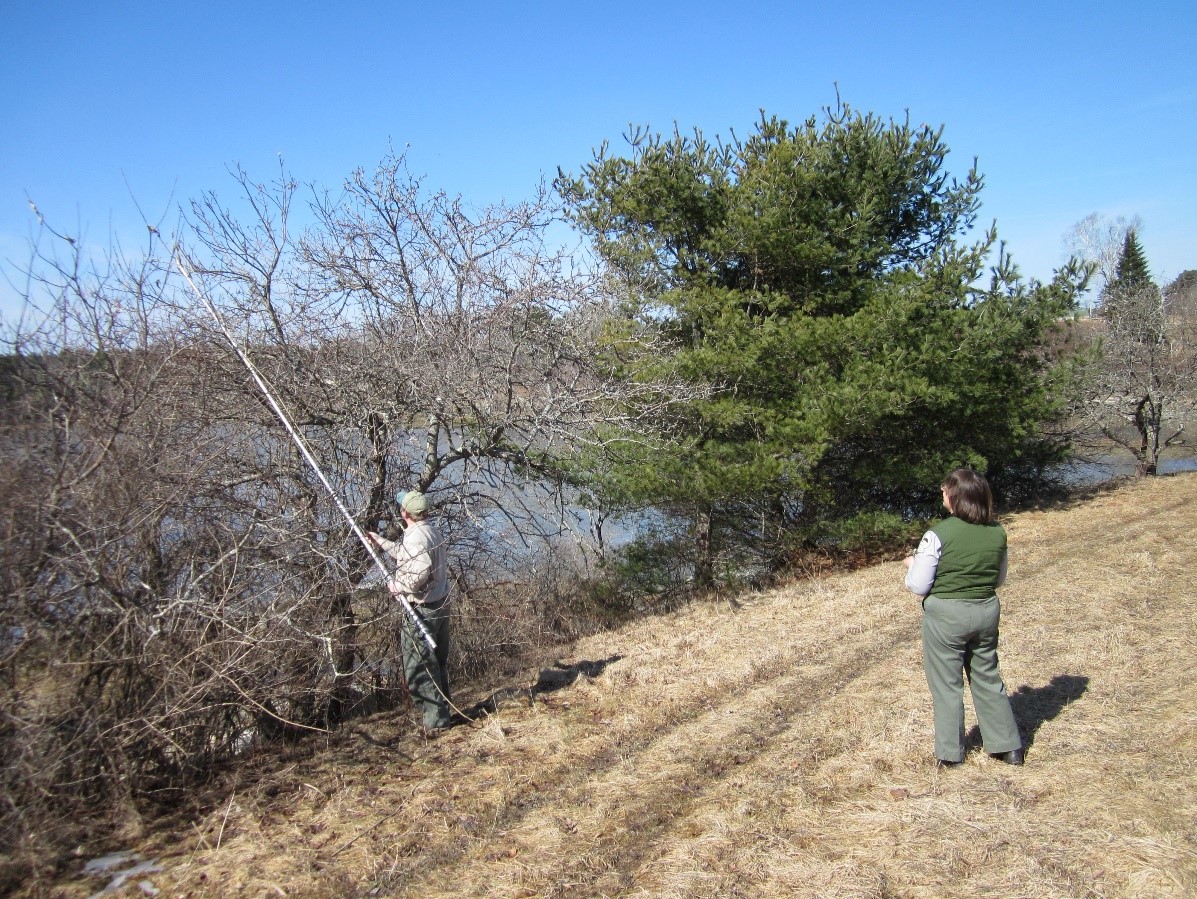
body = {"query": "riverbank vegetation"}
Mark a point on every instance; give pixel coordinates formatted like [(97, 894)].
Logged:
[(777, 743)]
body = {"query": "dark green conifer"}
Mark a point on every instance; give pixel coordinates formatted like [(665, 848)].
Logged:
[(1131, 273), (1131, 301), (816, 279)]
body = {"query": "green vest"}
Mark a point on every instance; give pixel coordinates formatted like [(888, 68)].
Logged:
[(970, 559)]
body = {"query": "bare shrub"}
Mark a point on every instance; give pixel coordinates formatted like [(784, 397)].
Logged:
[(177, 583)]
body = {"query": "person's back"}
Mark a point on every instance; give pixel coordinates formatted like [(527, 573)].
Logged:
[(957, 569), (429, 579), (970, 559)]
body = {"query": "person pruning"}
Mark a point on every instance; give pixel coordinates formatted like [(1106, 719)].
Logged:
[(421, 575)]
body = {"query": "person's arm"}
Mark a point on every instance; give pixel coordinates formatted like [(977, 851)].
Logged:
[(1002, 567), (387, 546), (921, 567)]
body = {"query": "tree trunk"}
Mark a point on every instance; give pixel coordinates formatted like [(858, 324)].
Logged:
[(344, 651), (1149, 420), (704, 565)]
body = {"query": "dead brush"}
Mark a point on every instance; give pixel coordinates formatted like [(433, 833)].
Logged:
[(780, 746)]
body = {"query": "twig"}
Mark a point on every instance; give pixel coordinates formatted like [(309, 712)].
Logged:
[(362, 833), (228, 808)]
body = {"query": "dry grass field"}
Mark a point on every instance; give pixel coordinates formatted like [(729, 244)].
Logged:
[(776, 744)]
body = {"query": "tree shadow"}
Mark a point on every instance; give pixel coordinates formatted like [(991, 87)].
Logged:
[(1035, 706), (549, 680)]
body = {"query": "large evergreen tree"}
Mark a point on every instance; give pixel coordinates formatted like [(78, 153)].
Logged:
[(1132, 269), (813, 278)]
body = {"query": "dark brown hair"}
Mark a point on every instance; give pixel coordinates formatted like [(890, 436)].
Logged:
[(970, 496)]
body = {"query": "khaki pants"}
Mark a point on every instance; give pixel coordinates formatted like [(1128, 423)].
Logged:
[(960, 635)]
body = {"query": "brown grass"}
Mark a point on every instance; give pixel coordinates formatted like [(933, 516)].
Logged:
[(777, 745)]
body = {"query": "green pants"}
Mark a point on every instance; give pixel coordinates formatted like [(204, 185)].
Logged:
[(962, 635), (426, 670)]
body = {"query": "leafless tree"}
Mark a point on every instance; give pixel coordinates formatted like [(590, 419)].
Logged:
[(176, 581), (1144, 376), (1143, 359), (426, 344), (1098, 240), (1180, 296)]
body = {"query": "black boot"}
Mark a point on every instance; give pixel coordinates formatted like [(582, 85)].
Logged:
[(1013, 757)]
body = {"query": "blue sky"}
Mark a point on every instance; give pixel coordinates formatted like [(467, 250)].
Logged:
[(111, 107)]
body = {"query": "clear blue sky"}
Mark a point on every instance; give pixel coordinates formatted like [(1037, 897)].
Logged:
[(1070, 108)]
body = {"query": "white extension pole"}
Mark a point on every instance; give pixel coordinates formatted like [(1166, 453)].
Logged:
[(297, 438)]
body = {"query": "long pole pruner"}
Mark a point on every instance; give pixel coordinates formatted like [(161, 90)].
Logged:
[(298, 440)]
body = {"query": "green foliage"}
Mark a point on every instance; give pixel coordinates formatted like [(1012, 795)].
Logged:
[(812, 278), (650, 572), (1131, 272), (871, 532)]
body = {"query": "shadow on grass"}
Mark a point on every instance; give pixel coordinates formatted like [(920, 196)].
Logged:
[(550, 680), (1035, 706)]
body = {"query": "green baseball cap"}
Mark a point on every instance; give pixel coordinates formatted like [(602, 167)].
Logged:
[(413, 502)]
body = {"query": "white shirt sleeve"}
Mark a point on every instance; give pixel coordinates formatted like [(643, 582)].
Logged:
[(921, 575), (387, 546)]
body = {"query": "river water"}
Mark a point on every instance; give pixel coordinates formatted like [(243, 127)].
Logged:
[(1102, 469)]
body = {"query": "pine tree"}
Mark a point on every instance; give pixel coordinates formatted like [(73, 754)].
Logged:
[(1132, 270), (814, 279)]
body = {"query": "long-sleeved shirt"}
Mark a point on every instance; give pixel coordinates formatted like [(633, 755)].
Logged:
[(421, 570)]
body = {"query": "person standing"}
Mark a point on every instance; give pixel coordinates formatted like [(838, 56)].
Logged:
[(421, 575), (956, 569)]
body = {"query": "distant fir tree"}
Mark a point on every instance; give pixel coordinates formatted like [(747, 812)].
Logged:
[(1132, 269), (1131, 288), (1132, 302)]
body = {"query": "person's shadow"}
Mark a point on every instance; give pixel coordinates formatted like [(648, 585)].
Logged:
[(1035, 706), (550, 680)]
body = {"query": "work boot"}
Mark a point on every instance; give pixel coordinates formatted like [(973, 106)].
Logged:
[(1013, 757)]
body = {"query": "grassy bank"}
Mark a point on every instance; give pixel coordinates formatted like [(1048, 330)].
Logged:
[(778, 744)]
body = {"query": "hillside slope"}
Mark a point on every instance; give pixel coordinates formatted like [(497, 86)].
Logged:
[(777, 745)]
